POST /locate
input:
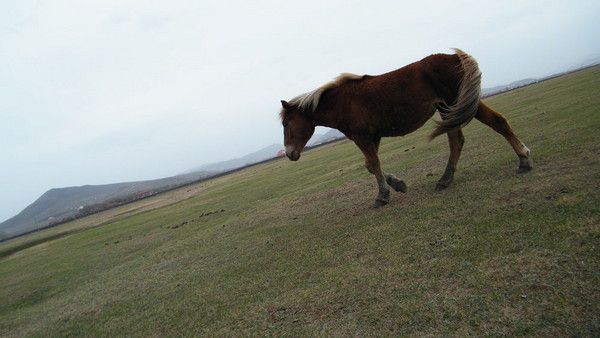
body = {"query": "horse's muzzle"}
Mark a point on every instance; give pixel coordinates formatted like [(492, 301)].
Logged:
[(293, 155)]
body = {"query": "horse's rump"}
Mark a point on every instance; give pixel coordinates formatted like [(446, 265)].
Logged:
[(467, 99)]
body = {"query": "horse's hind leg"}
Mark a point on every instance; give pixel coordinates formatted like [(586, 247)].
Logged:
[(456, 141), (497, 122)]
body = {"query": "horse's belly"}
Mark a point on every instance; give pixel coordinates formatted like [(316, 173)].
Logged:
[(403, 123)]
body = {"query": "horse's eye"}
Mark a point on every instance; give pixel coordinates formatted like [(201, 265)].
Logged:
[(285, 124)]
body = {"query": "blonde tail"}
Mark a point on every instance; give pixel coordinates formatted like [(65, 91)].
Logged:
[(467, 100)]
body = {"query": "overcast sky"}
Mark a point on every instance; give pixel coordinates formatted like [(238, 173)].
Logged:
[(95, 92)]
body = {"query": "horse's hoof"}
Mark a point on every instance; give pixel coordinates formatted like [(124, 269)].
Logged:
[(524, 169), (525, 163), (397, 185), (382, 199), (380, 202), (441, 186)]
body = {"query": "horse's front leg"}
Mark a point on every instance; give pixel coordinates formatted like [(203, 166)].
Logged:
[(394, 182), (374, 167), (370, 147)]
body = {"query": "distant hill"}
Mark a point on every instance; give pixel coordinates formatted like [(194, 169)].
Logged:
[(507, 87), (255, 157), (590, 62), (264, 154), (59, 205), (62, 204), (330, 135), (314, 140)]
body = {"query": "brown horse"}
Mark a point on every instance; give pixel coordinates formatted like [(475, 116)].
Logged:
[(367, 108)]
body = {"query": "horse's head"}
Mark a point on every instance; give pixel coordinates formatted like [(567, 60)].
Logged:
[(297, 130)]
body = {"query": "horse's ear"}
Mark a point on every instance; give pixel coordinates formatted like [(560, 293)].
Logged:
[(284, 104)]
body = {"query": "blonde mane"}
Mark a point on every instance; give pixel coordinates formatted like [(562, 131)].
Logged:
[(310, 100)]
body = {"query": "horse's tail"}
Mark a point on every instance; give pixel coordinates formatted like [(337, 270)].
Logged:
[(467, 101)]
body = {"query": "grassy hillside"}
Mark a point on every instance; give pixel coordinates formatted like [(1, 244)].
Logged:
[(297, 248), (64, 204)]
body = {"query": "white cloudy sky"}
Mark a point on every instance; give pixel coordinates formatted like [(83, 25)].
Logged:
[(95, 92)]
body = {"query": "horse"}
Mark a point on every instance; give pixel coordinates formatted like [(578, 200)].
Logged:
[(366, 108)]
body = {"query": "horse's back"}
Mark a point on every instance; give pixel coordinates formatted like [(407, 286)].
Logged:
[(398, 102), (401, 101), (437, 75)]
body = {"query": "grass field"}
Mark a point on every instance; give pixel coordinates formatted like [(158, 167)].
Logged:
[(289, 248)]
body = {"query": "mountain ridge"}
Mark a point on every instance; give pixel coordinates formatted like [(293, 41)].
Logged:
[(58, 205)]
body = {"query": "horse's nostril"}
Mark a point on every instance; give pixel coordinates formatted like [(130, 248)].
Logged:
[(294, 155)]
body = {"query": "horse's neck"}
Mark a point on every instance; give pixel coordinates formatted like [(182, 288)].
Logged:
[(327, 114), (324, 119)]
